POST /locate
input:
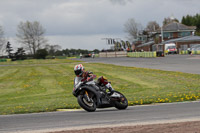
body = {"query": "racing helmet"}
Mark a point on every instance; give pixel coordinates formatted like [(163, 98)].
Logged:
[(79, 69)]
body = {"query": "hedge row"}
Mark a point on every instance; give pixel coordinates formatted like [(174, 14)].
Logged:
[(5, 60)]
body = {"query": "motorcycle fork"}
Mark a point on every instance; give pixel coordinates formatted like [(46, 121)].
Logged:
[(87, 96)]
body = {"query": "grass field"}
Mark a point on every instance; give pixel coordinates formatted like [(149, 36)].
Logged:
[(48, 85), (39, 61)]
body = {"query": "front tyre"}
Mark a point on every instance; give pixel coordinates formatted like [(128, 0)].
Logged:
[(121, 102), (88, 106)]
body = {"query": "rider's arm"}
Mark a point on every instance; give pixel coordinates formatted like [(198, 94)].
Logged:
[(88, 76)]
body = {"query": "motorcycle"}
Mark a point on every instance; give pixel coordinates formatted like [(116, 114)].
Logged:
[(94, 94)]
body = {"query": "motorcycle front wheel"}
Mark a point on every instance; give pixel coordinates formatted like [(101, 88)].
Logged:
[(89, 106), (122, 102)]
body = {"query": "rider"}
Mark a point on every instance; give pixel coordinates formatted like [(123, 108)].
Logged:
[(85, 76)]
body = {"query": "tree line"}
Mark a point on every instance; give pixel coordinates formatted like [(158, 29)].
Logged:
[(34, 44), (30, 35), (49, 51), (192, 21)]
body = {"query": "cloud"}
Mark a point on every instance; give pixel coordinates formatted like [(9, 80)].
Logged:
[(121, 2), (82, 18), (75, 18), (69, 17)]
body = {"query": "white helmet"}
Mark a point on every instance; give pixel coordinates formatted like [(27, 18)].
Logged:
[(79, 69)]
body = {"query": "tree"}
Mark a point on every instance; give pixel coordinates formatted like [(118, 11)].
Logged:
[(2, 40), (20, 54), (197, 24), (66, 52), (183, 21), (59, 53), (132, 28), (41, 54), (9, 49), (188, 20), (31, 35), (169, 20), (152, 26), (52, 49), (192, 21), (96, 51)]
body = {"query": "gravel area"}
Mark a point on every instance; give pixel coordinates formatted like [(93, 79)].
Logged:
[(181, 127)]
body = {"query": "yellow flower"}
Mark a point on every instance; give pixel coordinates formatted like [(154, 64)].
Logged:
[(141, 101)]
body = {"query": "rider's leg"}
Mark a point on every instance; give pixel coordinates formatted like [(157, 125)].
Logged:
[(110, 88)]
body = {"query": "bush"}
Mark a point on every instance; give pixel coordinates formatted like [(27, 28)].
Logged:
[(41, 54)]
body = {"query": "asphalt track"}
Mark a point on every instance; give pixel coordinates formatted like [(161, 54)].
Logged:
[(162, 113), (180, 63), (57, 121)]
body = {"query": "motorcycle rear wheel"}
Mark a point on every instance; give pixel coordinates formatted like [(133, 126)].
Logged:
[(90, 107), (122, 103)]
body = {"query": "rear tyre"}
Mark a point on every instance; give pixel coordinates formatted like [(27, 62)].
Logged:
[(122, 102), (88, 106)]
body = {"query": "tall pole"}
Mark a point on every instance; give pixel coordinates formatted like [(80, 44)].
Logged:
[(162, 34)]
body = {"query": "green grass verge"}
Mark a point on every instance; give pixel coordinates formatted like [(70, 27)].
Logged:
[(39, 61), (43, 88)]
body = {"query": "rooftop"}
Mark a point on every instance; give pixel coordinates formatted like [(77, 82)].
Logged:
[(146, 44), (183, 39), (175, 26)]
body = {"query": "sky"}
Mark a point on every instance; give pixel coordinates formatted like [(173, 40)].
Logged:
[(84, 23)]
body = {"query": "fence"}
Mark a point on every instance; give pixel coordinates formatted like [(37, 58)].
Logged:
[(187, 52), (142, 54), (196, 52), (129, 54), (184, 52), (113, 54)]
